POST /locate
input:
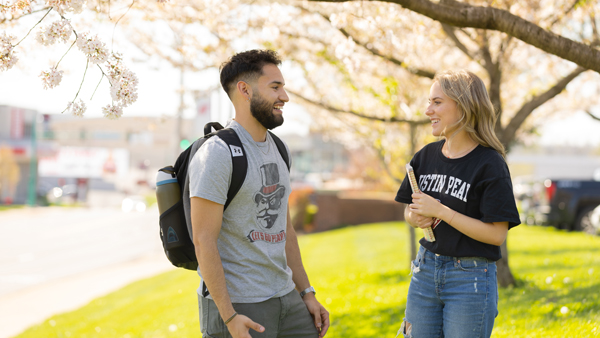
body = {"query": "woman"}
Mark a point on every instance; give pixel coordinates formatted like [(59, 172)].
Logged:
[(466, 184)]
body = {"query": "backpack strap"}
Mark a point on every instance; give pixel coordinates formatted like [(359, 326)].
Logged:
[(282, 150), (238, 159)]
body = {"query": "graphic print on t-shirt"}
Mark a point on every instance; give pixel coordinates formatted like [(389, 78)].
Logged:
[(268, 199), (445, 184)]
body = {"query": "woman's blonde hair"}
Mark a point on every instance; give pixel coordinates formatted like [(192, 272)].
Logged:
[(478, 116)]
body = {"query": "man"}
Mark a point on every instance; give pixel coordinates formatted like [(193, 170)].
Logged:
[(248, 255)]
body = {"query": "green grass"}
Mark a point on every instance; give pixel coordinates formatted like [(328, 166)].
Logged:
[(362, 275), (10, 207)]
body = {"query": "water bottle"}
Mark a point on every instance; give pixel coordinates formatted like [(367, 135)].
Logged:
[(168, 192)]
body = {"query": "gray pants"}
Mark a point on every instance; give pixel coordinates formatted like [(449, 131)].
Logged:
[(283, 317)]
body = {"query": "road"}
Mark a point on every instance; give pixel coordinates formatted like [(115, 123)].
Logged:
[(54, 259)]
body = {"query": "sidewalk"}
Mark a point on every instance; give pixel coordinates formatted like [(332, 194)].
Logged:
[(33, 305), (55, 260)]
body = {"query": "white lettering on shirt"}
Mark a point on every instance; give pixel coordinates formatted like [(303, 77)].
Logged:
[(450, 184)]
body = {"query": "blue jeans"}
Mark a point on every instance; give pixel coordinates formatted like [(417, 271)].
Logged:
[(451, 297)]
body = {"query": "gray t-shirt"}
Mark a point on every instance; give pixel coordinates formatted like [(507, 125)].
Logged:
[(253, 232)]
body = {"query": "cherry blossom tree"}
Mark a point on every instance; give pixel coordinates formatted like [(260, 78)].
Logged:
[(365, 44), (366, 67)]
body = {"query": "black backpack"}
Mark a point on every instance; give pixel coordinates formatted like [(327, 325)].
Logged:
[(175, 222)]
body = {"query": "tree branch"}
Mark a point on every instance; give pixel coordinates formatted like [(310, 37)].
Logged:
[(350, 112), (508, 134), (592, 115), (26, 35), (374, 51), (500, 20), (561, 15), (449, 30), (24, 14)]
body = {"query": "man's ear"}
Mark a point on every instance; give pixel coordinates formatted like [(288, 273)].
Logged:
[(245, 90)]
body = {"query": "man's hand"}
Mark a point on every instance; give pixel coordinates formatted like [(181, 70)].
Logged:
[(318, 312), (240, 326)]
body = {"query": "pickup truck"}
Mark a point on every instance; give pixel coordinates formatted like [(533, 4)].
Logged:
[(570, 204)]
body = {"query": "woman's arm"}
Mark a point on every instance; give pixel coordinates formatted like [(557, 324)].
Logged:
[(490, 233)]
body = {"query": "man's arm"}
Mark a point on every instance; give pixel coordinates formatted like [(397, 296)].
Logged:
[(207, 217), (300, 278)]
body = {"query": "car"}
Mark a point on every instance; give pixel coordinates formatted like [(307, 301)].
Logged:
[(593, 224), (571, 204)]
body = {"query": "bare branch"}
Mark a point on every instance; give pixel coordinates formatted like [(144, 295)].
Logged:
[(386, 166), (449, 30), (25, 14), (374, 51), (112, 41), (350, 112), (98, 85), (561, 15), (508, 134), (67, 52), (152, 49), (592, 115), (81, 85), (26, 35)]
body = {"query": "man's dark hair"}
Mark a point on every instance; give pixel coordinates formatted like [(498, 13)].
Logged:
[(246, 66)]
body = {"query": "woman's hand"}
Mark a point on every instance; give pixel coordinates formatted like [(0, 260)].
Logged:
[(415, 220), (426, 206)]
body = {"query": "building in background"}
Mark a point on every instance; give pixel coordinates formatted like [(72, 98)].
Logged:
[(117, 157), (19, 150), (541, 163)]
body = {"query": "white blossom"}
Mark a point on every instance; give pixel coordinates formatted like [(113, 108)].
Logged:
[(112, 111), (123, 81), (124, 88), (51, 78), (19, 6), (93, 48), (344, 47), (77, 108), (8, 56), (68, 6), (59, 30)]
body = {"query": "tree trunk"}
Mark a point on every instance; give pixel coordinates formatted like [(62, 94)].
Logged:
[(412, 235), (505, 277)]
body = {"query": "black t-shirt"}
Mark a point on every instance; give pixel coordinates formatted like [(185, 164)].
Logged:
[(477, 185)]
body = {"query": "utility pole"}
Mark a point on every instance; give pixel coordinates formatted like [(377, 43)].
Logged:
[(412, 236)]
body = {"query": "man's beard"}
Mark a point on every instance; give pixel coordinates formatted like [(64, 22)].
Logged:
[(262, 110)]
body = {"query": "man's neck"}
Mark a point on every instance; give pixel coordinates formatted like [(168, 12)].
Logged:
[(252, 126)]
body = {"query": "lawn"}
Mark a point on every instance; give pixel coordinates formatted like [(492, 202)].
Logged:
[(362, 275), (10, 207)]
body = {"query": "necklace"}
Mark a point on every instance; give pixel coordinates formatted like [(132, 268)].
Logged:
[(461, 153)]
